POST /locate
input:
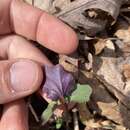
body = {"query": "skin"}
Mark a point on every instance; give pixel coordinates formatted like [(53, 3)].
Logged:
[(20, 61)]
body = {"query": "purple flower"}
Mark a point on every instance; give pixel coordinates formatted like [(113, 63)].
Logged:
[(59, 83)]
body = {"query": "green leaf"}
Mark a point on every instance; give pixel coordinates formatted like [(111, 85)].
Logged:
[(48, 112), (81, 94), (59, 123)]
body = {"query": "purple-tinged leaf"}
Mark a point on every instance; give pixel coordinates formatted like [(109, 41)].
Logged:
[(59, 83)]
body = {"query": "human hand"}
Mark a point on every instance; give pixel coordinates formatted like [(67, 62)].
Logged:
[(19, 75)]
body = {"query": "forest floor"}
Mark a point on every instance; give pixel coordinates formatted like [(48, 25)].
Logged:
[(102, 61)]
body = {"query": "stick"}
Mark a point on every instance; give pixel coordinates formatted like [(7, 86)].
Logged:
[(75, 119)]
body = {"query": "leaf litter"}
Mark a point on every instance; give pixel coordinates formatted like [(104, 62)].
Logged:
[(102, 59)]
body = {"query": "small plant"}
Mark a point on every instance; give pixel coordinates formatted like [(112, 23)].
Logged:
[(61, 87)]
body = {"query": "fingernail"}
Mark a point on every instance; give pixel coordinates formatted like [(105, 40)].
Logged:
[(23, 75)]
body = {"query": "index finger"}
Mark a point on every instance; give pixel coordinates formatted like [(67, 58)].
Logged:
[(37, 25)]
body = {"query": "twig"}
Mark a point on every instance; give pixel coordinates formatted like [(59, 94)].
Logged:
[(125, 10), (32, 109), (75, 119), (33, 112), (125, 17)]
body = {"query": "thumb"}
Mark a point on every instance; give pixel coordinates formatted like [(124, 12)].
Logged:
[(18, 78)]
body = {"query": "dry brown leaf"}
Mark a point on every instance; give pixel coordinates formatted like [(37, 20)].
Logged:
[(70, 64), (126, 70), (105, 125), (111, 111), (109, 78), (112, 78), (87, 15), (123, 41), (108, 123), (124, 34), (110, 45), (59, 5), (108, 69), (84, 113), (104, 104), (92, 124), (99, 46), (123, 31), (89, 64), (109, 72)]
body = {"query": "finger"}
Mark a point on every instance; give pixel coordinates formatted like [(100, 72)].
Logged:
[(18, 78), (13, 47), (15, 116), (37, 25)]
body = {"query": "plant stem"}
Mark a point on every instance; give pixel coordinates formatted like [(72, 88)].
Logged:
[(75, 119), (33, 112), (66, 114)]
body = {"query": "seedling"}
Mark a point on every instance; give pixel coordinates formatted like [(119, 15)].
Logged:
[(60, 86)]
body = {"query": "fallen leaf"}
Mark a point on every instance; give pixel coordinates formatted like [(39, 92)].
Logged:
[(70, 64), (89, 64), (126, 70), (123, 31), (111, 111), (90, 15), (84, 113), (99, 46)]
